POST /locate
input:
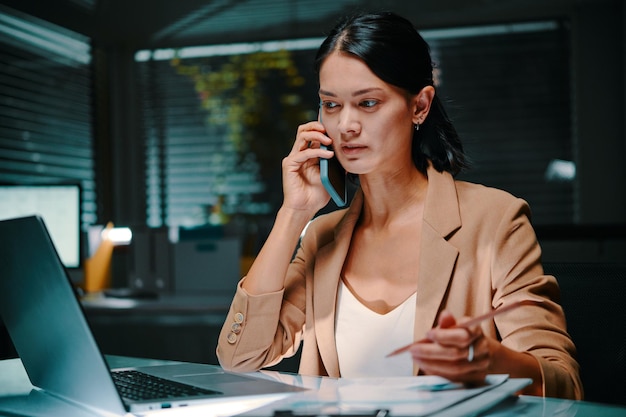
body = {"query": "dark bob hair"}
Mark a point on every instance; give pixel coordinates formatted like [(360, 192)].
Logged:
[(393, 50)]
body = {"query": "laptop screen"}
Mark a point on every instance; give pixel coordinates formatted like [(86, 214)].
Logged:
[(45, 319)]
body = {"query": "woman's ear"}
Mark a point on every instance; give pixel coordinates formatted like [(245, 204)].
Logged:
[(421, 104)]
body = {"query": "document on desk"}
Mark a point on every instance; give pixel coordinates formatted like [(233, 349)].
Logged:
[(401, 396)]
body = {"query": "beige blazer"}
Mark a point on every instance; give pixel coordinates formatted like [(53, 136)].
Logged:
[(478, 251)]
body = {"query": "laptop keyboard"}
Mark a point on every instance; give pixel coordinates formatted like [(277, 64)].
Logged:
[(138, 386)]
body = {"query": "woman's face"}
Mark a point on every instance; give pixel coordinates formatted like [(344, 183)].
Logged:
[(370, 121)]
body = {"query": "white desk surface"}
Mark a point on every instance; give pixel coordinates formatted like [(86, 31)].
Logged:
[(16, 392)]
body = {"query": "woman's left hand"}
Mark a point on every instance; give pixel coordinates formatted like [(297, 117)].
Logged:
[(456, 353)]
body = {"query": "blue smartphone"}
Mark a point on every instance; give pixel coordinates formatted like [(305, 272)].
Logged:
[(333, 177)]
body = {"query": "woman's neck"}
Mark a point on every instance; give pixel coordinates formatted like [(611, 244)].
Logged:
[(391, 200)]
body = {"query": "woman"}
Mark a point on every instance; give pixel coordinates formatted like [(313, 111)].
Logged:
[(415, 253)]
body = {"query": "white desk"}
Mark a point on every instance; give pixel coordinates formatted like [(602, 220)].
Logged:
[(16, 401)]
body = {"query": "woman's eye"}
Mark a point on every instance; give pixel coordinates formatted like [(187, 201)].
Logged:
[(369, 103), (329, 105)]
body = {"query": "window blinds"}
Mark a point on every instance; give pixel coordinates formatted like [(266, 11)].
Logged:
[(507, 89), (45, 106)]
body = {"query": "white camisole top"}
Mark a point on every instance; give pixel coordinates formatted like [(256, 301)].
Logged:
[(364, 337)]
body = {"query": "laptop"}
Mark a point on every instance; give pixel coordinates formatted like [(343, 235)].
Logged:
[(49, 330)]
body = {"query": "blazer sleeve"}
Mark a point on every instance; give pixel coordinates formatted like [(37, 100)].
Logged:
[(538, 330), (261, 330)]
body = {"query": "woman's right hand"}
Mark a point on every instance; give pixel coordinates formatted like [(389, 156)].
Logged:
[(304, 195), (302, 186)]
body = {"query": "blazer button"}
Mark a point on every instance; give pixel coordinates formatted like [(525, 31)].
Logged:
[(235, 328), (232, 338), (238, 317)]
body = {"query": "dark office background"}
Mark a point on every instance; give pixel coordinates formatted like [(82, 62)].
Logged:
[(112, 94)]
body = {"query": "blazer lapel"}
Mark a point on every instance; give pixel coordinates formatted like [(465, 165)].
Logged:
[(328, 265), (438, 257)]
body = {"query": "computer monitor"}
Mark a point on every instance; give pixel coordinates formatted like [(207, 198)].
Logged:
[(60, 208)]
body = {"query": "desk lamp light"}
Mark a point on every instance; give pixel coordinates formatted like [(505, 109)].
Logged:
[(102, 241)]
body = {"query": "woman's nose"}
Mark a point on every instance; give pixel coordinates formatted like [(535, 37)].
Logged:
[(348, 122)]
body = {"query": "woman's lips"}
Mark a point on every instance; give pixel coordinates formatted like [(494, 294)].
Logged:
[(352, 150)]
